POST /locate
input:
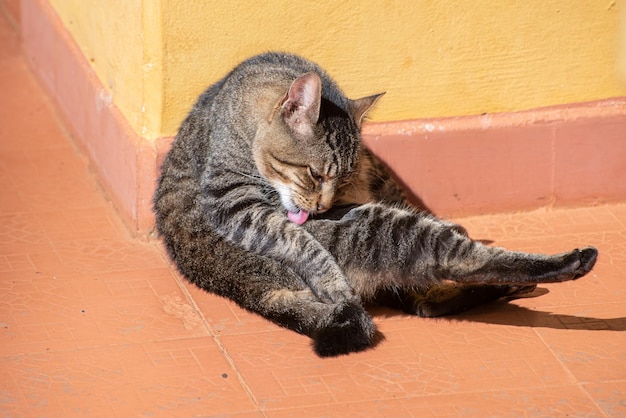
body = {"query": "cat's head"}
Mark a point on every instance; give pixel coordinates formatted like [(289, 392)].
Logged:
[(310, 146)]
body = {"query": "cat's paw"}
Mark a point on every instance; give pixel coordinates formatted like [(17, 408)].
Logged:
[(335, 290), (588, 257), (351, 330), (578, 263)]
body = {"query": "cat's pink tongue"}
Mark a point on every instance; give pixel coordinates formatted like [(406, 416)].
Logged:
[(299, 217)]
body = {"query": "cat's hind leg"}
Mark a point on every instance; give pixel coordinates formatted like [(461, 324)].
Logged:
[(491, 265), (379, 247), (447, 298)]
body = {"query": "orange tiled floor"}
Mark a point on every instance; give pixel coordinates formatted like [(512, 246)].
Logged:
[(96, 323)]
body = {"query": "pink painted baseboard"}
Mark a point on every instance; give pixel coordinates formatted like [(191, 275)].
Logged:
[(565, 155)]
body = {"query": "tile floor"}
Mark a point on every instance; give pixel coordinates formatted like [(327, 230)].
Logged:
[(96, 323)]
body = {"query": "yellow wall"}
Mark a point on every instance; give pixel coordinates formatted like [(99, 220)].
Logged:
[(121, 39), (622, 44), (434, 58)]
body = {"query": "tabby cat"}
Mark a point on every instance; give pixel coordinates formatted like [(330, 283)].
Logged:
[(268, 198)]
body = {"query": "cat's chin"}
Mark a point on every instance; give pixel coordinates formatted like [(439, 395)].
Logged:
[(298, 217)]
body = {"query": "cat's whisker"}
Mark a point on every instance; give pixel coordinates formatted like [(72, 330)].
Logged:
[(252, 176)]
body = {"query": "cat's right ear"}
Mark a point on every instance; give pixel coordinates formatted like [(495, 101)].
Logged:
[(360, 107), (300, 108)]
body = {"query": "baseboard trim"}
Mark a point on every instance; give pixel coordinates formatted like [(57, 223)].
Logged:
[(567, 155)]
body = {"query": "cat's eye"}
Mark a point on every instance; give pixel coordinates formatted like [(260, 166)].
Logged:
[(317, 177)]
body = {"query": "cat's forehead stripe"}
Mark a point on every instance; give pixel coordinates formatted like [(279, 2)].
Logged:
[(333, 148)]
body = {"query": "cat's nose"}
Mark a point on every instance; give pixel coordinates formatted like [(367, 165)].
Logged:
[(321, 207), (324, 202)]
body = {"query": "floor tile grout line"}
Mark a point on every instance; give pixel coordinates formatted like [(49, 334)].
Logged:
[(558, 360), (220, 345), (536, 331), (581, 386), (622, 222)]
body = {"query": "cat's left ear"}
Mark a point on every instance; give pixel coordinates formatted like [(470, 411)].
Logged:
[(359, 107), (301, 105)]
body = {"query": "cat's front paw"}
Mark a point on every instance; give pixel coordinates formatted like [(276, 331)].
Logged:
[(351, 330), (335, 290)]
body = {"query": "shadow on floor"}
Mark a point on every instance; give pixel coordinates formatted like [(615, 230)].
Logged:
[(502, 312)]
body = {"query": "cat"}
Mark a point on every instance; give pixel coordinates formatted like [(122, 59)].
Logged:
[(269, 198)]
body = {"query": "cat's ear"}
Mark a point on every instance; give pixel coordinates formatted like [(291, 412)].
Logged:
[(301, 105), (359, 107)]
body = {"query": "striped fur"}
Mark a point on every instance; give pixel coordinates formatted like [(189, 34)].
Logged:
[(276, 135)]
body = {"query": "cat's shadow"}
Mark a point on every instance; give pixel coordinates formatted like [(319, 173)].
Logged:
[(503, 312)]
